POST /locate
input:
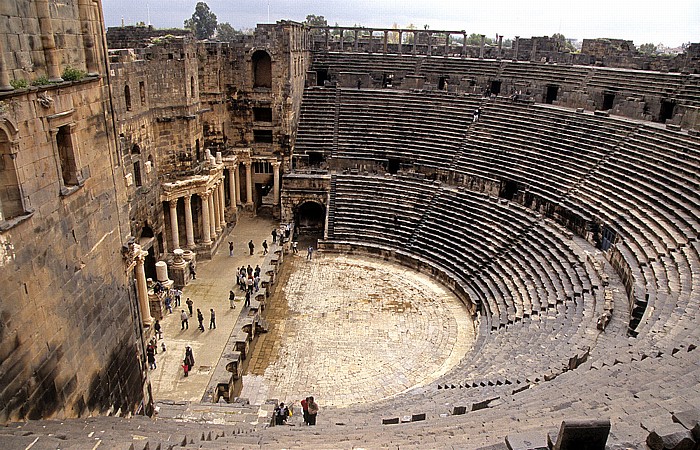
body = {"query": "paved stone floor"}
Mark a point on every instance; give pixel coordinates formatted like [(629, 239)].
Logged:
[(355, 330), (344, 329), (210, 290)]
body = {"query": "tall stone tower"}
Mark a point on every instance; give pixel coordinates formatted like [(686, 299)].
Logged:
[(70, 324)]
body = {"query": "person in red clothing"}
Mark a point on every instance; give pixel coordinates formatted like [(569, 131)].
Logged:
[(305, 410)]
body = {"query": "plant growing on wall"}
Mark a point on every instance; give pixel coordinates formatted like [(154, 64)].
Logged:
[(19, 84), (71, 74)]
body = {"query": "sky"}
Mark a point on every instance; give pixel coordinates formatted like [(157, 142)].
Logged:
[(670, 22)]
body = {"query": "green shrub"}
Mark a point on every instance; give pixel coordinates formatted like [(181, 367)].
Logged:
[(19, 84), (41, 81), (71, 74)]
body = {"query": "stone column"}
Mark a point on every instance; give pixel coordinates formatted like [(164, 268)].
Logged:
[(481, 46), (276, 183), (141, 286), (430, 42), (4, 73), (447, 44), (217, 206), (516, 48), (173, 224), (231, 188), (415, 41), (212, 222), (84, 7), (248, 183), (500, 46), (533, 52), (400, 43), (222, 205), (189, 229), (464, 44), (327, 39), (47, 41), (386, 40), (237, 183), (206, 230)]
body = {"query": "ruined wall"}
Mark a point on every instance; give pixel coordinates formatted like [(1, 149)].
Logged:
[(70, 341)]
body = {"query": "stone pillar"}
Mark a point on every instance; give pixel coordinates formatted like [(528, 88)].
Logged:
[(206, 230), (189, 229), (464, 44), (141, 286), (356, 42), (162, 271), (447, 44), (222, 205), (342, 40), (248, 183), (84, 8), (516, 48), (370, 46), (500, 46), (400, 42), (481, 46), (533, 52), (4, 73), (173, 224), (237, 183), (386, 40), (212, 222), (276, 183), (430, 42), (327, 40), (47, 41), (415, 41), (231, 188), (217, 206)]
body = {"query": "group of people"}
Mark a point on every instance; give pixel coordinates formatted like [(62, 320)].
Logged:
[(309, 409)]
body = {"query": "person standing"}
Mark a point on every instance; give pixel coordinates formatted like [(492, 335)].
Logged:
[(184, 318), (274, 235), (189, 305), (151, 356), (230, 248), (212, 320), (200, 319), (231, 299), (189, 360), (313, 411), (309, 252), (192, 269), (251, 247), (264, 246), (247, 299), (294, 247), (157, 329), (305, 410)]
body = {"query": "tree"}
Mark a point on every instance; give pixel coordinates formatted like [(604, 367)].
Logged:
[(648, 49), (226, 33), (203, 21), (563, 43), (475, 39), (315, 21)]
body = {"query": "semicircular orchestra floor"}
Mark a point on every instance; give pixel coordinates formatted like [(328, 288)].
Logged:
[(351, 330)]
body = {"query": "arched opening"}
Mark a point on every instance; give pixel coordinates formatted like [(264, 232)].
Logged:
[(310, 220), (135, 149), (262, 69), (10, 195), (127, 97)]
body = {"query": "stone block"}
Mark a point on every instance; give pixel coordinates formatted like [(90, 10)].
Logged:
[(527, 441), (672, 436), (391, 421), (459, 410), (690, 419)]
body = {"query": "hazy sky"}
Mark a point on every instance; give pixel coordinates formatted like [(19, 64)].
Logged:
[(669, 22)]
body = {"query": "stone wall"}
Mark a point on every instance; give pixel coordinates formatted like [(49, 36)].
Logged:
[(139, 36)]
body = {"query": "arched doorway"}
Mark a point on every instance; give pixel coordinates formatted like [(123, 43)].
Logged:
[(310, 218), (262, 70)]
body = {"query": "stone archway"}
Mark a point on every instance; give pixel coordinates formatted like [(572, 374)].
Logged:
[(262, 69), (310, 218)]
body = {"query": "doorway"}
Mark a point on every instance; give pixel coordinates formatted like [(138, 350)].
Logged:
[(508, 189), (552, 92), (668, 108), (608, 100), (495, 87)]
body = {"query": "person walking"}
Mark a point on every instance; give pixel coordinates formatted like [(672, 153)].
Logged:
[(212, 320), (184, 318), (264, 246), (230, 248), (200, 319), (251, 247), (247, 299), (310, 252), (188, 362), (231, 299), (151, 356), (157, 329), (313, 411), (305, 410), (189, 305)]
